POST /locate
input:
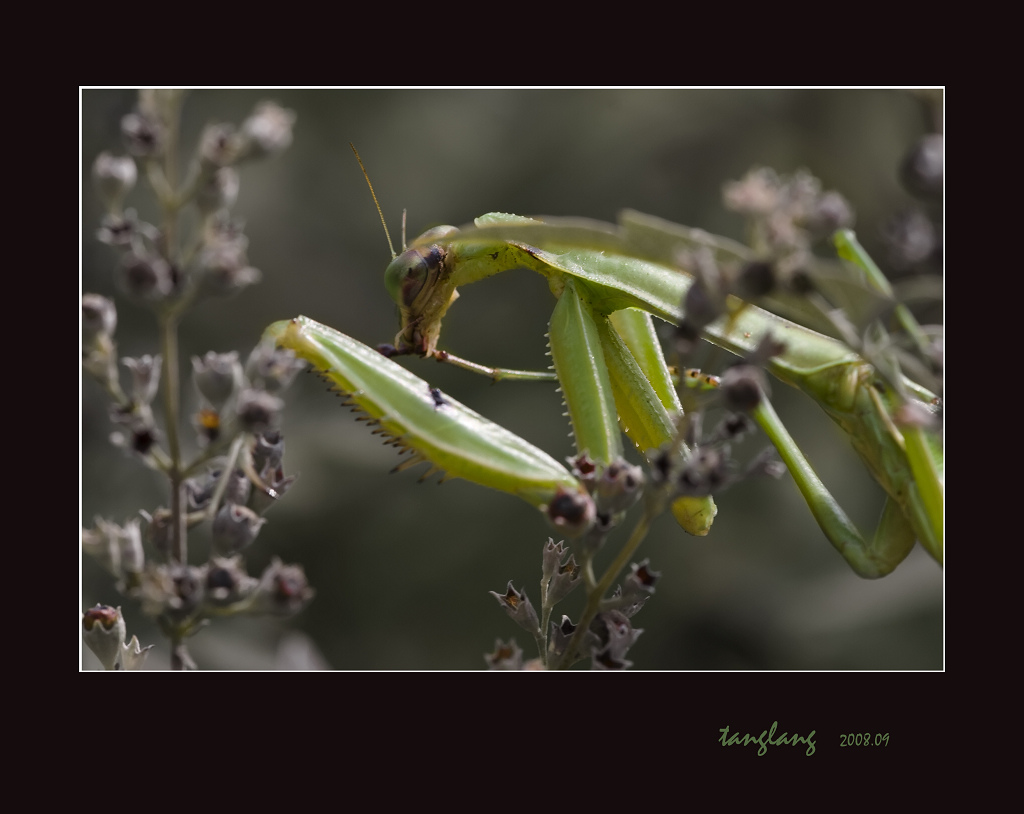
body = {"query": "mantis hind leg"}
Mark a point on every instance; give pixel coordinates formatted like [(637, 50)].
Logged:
[(894, 538)]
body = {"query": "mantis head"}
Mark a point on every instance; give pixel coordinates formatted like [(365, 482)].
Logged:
[(419, 281)]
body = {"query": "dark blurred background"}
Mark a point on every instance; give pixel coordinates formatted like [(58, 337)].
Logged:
[(402, 570)]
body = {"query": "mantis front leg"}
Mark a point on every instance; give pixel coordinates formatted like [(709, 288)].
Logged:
[(437, 429), (609, 387)]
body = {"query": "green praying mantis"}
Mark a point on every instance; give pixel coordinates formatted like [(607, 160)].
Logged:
[(609, 281)]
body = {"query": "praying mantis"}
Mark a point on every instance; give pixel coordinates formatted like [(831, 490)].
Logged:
[(609, 281)]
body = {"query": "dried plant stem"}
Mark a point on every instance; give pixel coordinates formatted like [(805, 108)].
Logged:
[(652, 507)]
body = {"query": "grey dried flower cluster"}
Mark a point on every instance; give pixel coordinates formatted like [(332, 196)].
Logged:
[(236, 471)]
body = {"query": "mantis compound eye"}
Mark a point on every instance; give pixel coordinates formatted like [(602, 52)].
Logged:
[(408, 273)]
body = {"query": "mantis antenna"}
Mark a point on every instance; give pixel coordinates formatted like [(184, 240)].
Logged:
[(387, 234)]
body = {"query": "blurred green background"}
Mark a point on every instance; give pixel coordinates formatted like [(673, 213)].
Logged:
[(402, 570)]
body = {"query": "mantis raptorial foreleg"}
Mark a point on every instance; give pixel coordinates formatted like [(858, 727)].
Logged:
[(605, 386), (583, 374), (455, 439)]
